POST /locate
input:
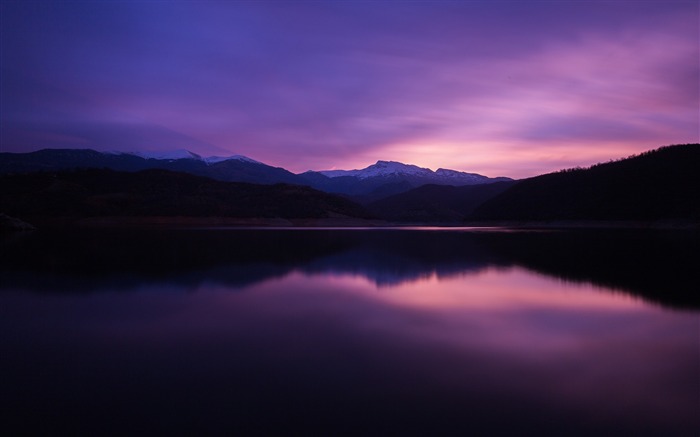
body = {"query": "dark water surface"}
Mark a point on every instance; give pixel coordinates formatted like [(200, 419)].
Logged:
[(350, 332)]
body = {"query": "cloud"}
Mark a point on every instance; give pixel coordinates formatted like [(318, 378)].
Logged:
[(341, 85)]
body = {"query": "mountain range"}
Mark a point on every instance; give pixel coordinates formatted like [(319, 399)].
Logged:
[(662, 184), (387, 178), (235, 168), (376, 181)]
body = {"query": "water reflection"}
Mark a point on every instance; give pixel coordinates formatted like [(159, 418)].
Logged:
[(348, 333), (658, 266)]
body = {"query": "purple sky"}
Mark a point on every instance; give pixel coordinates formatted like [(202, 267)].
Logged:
[(499, 88)]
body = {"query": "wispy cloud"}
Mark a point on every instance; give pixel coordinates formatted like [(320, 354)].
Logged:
[(498, 88)]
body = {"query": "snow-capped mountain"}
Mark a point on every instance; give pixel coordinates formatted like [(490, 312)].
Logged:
[(172, 155), (215, 159), (381, 179), (381, 168), (387, 178), (393, 168)]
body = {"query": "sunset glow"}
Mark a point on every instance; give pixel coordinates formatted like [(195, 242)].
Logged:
[(497, 88), (504, 290)]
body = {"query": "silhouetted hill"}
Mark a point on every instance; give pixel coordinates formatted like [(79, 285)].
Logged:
[(656, 185), (102, 192), (436, 203)]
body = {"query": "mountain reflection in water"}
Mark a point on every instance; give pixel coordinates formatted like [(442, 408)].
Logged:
[(656, 265), (350, 332)]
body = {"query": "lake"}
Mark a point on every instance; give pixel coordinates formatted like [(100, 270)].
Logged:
[(417, 331)]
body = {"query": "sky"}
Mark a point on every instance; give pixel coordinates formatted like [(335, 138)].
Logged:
[(501, 88)]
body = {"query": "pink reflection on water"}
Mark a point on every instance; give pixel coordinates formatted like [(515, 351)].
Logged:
[(508, 336), (571, 341), (500, 289)]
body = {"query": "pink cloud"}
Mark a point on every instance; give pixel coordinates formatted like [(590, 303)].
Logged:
[(472, 87)]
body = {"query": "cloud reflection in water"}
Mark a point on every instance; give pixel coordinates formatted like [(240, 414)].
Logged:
[(270, 343)]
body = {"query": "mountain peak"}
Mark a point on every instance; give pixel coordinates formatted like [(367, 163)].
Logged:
[(446, 172), (215, 159), (380, 168)]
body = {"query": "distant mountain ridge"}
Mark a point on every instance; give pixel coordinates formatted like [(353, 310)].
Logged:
[(393, 168), (235, 168), (662, 184), (385, 178), (376, 181)]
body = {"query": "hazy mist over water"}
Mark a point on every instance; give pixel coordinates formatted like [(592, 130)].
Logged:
[(350, 332)]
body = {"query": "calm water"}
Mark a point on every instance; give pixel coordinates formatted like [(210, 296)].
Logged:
[(350, 332)]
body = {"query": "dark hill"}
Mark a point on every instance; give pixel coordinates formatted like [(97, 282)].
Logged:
[(436, 203), (656, 185), (102, 192)]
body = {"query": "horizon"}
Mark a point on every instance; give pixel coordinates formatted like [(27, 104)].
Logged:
[(163, 155), (498, 89)]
